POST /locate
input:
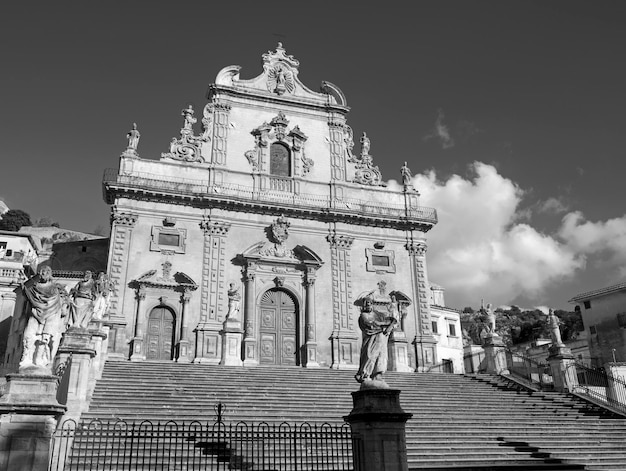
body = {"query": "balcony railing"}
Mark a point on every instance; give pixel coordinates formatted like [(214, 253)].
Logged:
[(280, 192)]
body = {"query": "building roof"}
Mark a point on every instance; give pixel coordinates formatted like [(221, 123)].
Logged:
[(598, 292)]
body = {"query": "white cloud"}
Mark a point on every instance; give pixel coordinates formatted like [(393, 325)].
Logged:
[(479, 249), (441, 132), (552, 205)]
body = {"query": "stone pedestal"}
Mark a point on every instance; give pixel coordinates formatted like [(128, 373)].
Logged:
[(29, 415), (231, 343), (137, 350), (378, 430), (425, 352), (208, 343), (76, 343), (616, 390), (495, 355), (398, 349), (310, 360), (563, 368), (182, 352)]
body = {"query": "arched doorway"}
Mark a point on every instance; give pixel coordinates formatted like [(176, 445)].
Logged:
[(278, 329), (160, 335)]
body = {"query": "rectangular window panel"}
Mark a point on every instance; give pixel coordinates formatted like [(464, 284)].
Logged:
[(434, 324), (169, 239), (380, 260), (587, 304), (452, 330)]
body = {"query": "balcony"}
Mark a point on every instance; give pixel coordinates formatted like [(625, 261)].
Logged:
[(278, 197)]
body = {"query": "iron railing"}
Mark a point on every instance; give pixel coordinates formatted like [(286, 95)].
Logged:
[(599, 385), (278, 193), (529, 370), (121, 445), (474, 362), (446, 366)]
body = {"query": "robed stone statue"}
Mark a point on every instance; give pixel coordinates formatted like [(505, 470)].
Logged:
[(46, 321), (376, 322)]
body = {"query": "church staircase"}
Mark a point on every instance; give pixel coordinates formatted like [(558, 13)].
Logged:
[(460, 422)]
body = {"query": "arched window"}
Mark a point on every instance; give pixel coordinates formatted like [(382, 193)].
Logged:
[(280, 160)]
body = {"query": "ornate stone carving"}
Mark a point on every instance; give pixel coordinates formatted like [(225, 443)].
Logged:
[(167, 271), (340, 241), (133, 141), (216, 228), (277, 131), (416, 248), (123, 219), (280, 230), (366, 172), (187, 148), (281, 71), (279, 281)]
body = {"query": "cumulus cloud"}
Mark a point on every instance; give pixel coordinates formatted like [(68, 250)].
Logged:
[(479, 249), (441, 132)]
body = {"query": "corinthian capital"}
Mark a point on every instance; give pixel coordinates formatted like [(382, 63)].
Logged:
[(416, 248), (340, 241), (120, 218)]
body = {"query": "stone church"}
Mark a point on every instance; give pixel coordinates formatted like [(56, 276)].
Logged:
[(251, 240)]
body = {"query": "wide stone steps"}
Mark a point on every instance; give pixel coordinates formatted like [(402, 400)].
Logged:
[(461, 423)]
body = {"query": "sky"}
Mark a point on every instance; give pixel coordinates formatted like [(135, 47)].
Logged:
[(510, 115)]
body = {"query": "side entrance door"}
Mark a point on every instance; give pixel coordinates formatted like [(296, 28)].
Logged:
[(278, 329), (160, 336)]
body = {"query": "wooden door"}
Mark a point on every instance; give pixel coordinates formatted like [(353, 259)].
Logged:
[(160, 336), (278, 327)]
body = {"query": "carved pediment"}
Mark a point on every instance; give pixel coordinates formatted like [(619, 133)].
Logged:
[(177, 281), (280, 79)]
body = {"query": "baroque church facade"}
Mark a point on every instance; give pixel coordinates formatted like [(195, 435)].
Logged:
[(252, 239)]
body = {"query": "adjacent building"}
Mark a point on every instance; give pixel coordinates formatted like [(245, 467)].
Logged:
[(604, 317)]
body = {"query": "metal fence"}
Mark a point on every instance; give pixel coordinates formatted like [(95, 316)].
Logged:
[(529, 370), (598, 384), (174, 446)]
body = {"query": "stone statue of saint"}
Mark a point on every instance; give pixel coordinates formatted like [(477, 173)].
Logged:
[(491, 318), (187, 113), (365, 145), (133, 138), (83, 296), (406, 175), (555, 332), (376, 327), (45, 324), (234, 303), (102, 301)]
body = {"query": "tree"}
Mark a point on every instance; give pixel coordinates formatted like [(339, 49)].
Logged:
[(14, 219), (45, 222)]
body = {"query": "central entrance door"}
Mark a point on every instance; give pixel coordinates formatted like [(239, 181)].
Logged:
[(278, 328), (160, 336)]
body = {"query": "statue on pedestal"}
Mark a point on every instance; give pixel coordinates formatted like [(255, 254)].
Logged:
[(83, 296), (376, 321), (103, 289), (555, 332), (133, 141), (234, 303), (406, 175), (49, 306)]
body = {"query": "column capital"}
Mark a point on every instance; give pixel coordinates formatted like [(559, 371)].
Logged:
[(214, 228), (339, 241), (121, 218), (141, 293), (416, 248)]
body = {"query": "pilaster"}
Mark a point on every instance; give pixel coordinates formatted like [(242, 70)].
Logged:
[(343, 337), (424, 342), (122, 224), (249, 341), (208, 339), (221, 122), (138, 352)]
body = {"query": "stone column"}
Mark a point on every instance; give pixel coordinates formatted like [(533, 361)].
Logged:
[(29, 415), (138, 353), (378, 430), (183, 343), (310, 322), (249, 341), (495, 355), (424, 342)]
